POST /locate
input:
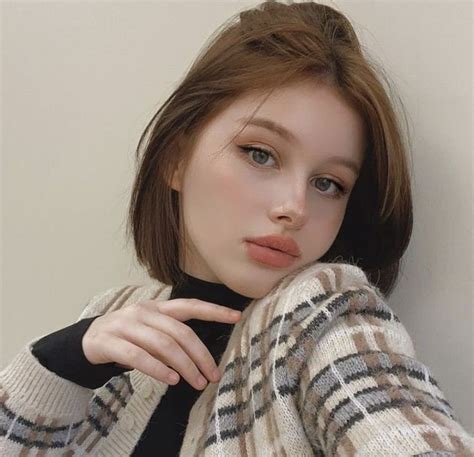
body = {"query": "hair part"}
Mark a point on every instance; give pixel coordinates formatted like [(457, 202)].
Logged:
[(262, 49)]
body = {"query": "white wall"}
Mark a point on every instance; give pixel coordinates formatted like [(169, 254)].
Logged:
[(80, 80)]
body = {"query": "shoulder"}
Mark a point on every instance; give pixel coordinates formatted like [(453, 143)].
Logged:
[(351, 364), (326, 277), (121, 296), (337, 305)]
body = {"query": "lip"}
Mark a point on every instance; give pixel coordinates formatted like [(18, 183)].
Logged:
[(268, 256), (279, 242)]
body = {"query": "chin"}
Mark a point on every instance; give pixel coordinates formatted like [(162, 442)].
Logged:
[(254, 290)]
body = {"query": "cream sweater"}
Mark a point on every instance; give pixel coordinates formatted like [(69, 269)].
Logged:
[(319, 366)]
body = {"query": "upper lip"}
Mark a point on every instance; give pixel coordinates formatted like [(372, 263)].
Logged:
[(280, 242)]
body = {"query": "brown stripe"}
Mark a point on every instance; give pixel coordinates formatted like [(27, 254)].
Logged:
[(47, 439), (208, 407), (251, 441), (88, 428), (351, 319), (325, 282), (32, 435), (158, 292), (306, 395), (120, 298), (371, 299), (311, 399), (4, 397), (395, 393), (441, 421), (360, 342), (373, 321), (434, 442), (110, 404), (272, 427), (91, 446), (415, 416), (347, 445), (362, 345), (338, 275), (310, 396), (459, 447), (354, 304), (392, 391), (239, 398)]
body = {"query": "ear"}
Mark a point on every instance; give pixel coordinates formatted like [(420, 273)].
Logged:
[(176, 180)]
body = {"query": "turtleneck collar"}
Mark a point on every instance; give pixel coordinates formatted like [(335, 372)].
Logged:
[(218, 293)]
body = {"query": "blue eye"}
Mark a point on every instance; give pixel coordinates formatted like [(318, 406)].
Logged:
[(248, 152)]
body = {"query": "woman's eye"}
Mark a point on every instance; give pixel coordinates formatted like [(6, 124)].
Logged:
[(340, 190), (260, 156), (257, 155)]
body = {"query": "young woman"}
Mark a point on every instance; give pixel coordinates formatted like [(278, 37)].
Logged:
[(274, 182)]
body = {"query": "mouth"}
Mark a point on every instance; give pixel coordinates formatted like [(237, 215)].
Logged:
[(275, 249), (269, 256), (277, 242)]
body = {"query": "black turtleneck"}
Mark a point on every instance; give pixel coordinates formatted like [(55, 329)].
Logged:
[(61, 352)]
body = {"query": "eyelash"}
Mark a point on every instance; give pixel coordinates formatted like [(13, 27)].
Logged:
[(246, 150)]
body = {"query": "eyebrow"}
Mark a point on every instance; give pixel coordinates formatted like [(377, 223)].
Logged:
[(290, 137)]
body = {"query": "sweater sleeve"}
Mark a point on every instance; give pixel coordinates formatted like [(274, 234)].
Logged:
[(62, 353), (33, 397), (360, 388)]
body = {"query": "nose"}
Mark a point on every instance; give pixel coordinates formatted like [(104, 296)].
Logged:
[(293, 212)]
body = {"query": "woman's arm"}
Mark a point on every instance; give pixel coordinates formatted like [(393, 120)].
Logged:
[(33, 398), (360, 388), (62, 353)]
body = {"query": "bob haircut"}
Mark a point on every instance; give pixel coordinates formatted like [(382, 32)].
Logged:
[(261, 49)]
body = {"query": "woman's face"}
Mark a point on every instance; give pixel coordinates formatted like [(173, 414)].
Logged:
[(292, 190)]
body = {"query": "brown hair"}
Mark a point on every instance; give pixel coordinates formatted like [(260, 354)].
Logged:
[(263, 48)]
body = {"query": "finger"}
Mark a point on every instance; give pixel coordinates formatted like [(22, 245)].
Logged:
[(186, 338), (130, 355), (165, 349), (183, 309)]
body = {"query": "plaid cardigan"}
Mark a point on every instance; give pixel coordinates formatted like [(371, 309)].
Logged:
[(319, 366)]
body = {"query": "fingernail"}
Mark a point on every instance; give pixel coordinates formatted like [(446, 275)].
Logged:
[(173, 378), (201, 381), (216, 374)]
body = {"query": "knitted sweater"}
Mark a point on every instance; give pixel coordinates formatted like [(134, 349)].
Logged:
[(319, 366), (62, 353)]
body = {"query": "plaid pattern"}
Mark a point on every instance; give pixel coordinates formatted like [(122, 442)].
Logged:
[(320, 366), (56, 436)]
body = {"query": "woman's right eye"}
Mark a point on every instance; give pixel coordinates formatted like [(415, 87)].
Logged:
[(249, 152)]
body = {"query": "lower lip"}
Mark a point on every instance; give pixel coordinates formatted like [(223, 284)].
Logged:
[(269, 256)]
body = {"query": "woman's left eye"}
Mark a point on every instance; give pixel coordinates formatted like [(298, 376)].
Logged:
[(249, 151)]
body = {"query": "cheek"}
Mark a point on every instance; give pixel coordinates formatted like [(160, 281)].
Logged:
[(235, 189), (333, 223), (217, 196), (324, 221)]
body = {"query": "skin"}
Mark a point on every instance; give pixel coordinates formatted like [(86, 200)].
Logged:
[(230, 195)]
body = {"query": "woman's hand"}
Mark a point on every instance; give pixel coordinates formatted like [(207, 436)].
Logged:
[(150, 336)]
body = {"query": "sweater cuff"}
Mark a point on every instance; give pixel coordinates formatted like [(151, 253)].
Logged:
[(35, 389)]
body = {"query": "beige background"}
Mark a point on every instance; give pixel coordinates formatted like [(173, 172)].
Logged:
[(80, 80)]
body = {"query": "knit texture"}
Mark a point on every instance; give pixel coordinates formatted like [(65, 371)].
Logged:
[(319, 366)]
